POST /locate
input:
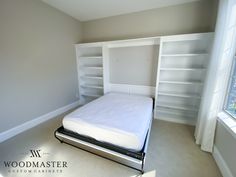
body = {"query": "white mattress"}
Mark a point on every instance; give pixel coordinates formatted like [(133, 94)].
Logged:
[(119, 119)]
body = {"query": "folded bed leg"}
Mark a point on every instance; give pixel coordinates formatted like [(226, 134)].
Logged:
[(57, 137), (143, 163)]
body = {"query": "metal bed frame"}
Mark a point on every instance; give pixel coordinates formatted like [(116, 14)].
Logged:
[(132, 159)]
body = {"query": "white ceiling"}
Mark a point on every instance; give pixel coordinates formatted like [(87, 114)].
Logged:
[(85, 10)]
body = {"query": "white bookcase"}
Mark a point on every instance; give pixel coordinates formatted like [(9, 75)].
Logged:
[(179, 65), (182, 67), (90, 71)]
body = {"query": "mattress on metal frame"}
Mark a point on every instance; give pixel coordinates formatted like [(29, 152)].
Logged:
[(115, 118), (121, 155)]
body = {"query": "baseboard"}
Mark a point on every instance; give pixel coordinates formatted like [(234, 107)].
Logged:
[(176, 120), (224, 169), (32, 123)]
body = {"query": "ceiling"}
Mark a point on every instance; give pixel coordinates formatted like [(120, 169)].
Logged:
[(85, 10)]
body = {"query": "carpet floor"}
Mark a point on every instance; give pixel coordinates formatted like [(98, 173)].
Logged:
[(171, 152)]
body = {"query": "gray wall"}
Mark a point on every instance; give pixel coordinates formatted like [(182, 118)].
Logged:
[(226, 144), (185, 18), (138, 65), (37, 60)]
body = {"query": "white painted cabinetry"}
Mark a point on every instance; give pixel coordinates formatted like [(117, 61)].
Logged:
[(90, 71), (178, 63), (182, 67)]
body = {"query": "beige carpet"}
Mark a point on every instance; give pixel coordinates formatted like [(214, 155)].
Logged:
[(172, 153)]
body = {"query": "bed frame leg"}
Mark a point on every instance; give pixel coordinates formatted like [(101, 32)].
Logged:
[(142, 167), (57, 137)]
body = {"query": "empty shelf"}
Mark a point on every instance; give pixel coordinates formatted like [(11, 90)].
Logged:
[(184, 55), (183, 95), (182, 69), (92, 77), (90, 57), (176, 106), (187, 95), (92, 86), (186, 119), (174, 113), (91, 67), (91, 95), (181, 82)]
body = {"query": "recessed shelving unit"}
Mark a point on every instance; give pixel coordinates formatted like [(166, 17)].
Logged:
[(182, 67), (90, 71)]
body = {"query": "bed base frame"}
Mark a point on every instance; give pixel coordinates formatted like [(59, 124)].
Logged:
[(129, 158)]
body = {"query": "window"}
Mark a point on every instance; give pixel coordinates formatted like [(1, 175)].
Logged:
[(230, 105)]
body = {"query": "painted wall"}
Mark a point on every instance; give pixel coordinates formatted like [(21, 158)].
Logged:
[(138, 65), (226, 145), (185, 18), (37, 60)]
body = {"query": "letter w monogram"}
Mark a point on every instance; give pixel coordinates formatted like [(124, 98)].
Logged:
[(35, 153)]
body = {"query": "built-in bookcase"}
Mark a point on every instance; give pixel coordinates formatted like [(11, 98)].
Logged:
[(170, 68), (90, 72), (182, 67)]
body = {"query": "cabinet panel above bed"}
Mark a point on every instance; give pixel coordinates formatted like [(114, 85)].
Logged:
[(133, 65)]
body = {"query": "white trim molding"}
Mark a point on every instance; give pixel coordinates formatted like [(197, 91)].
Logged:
[(32, 123), (224, 169)]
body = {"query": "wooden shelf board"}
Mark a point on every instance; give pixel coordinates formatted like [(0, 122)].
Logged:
[(92, 86), (174, 106), (183, 69), (178, 114), (179, 95), (90, 95), (92, 77), (90, 57), (91, 67), (182, 82), (184, 55)]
